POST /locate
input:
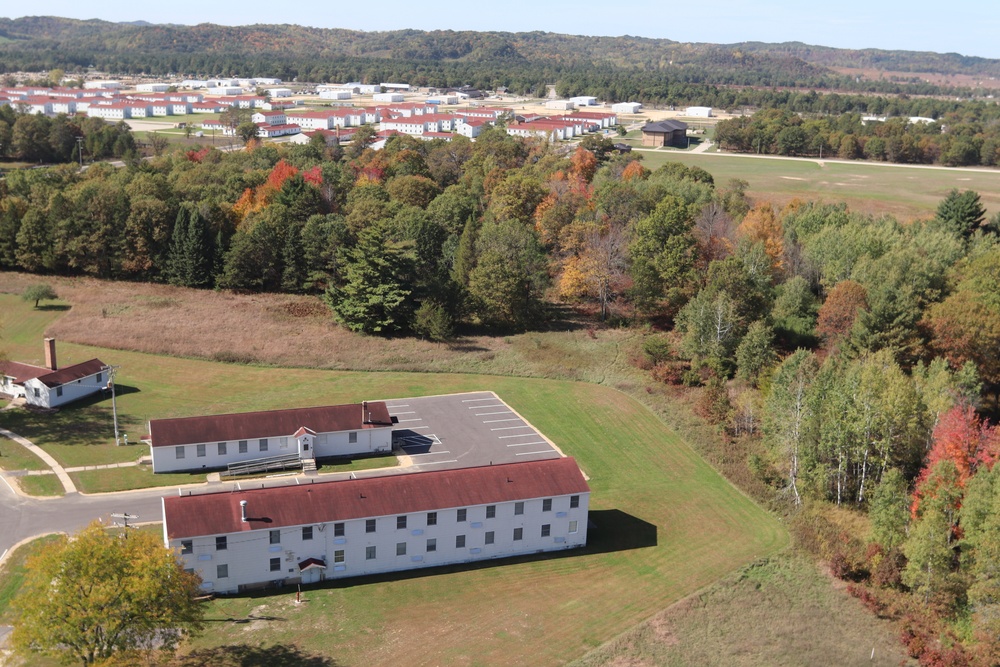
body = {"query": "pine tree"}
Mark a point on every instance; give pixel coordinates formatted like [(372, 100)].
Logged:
[(177, 267), (294, 271), (465, 256)]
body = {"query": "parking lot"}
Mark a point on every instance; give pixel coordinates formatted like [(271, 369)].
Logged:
[(464, 430)]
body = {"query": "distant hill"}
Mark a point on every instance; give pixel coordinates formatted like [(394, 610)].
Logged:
[(613, 68)]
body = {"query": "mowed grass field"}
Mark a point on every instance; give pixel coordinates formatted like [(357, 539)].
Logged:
[(904, 192), (664, 522)]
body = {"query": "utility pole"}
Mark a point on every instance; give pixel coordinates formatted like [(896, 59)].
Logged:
[(122, 519), (79, 150), (112, 371)]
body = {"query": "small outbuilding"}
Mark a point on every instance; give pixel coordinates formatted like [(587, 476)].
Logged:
[(665, 133), (626, 107), (49, 386), (698, 112)]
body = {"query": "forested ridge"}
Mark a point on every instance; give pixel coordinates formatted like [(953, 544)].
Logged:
[(524, 62)]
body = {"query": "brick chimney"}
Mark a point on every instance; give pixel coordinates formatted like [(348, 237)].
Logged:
[(365, 417), (50, 354)]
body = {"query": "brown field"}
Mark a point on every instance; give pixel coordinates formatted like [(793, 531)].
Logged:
[(957, 80)]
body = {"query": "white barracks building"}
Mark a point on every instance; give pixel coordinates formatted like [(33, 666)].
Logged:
[(307, 533), (216, 441)]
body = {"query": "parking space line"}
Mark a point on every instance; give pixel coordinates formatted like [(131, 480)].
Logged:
[(428, 454), (544, 451), (494, 421), (416, 419), (470, 400), (519, 435), (480, 407), (507, 428), (414, 428), (434, 463), (522, 444), (404, 405), (410, 412), (487, 414)]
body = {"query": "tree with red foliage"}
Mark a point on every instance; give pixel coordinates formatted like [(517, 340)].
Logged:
[(836, 316)]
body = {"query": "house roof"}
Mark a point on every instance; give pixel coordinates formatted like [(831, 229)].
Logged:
[(388, 495), (271, 423), (664, 126), (24, 372)]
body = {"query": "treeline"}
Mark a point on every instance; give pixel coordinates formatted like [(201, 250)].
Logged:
[(37, 138), (955, 139)]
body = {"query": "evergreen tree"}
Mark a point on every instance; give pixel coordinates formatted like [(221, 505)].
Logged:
[(293, 271), (755, 354), (961, 212), (465, 256)]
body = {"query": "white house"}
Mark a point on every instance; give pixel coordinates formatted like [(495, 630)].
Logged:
[(698, 112), (115, 111), (470, 127), (626, 107), (50, 386), (278, 92), (269, 117), (193, 443), (241, 540)]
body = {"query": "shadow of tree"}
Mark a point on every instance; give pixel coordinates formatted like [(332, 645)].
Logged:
[(56, 307), (84, 422), (242, 655)]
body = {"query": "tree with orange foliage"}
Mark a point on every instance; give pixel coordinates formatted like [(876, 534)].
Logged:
[(635, 171), (761, 225), (838, 312), (584, 165)]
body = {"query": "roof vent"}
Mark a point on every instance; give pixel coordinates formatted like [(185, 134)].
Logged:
[(243, 511)]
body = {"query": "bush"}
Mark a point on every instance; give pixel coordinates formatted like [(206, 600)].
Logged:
[(433, 321), (658, 349)]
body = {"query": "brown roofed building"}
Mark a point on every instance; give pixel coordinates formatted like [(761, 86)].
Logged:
[(216, 441), (665, 133), (49, 386), (306, 533)]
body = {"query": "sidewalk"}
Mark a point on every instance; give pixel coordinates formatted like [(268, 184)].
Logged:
[(60, 472)]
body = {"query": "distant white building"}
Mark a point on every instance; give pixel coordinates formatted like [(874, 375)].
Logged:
[(626, 107), (335, 94), (152, 87), (50, 386), (225, 90), (278, 92), (388, 97), (102, 85), (921, 119), (698, 112), (584, 101), (400, 87), (245, 539), (193, 443), (560, 105)]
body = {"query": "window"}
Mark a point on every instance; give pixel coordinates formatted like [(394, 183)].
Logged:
[(263, 444), (518, 508), (243, 446), (518, 534), (432, 545), (400, 523), (352, 437), (370, 553), (461, 515), (37, 393), (187, 546), (275, 565), (201, 450), (99, 376), (179, 451), (307, 532), (222, 571), (489, 537), (222, 449), (283, 442), (491, 511), (338, 556), (400, 548), (547, 505), (338, 530), (432, 518), (460, 541), (221, 543), (574, 502), (275, 537), (546, 529), (369, 525), (58, 391), (572, 526)]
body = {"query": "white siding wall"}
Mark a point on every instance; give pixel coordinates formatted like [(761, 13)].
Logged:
[(248, 554), (369, 441), (67, 393)]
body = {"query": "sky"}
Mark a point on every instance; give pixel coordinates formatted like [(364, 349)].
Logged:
[(969, 27)]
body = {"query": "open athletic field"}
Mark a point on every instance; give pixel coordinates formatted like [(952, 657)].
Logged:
[(907, 193)]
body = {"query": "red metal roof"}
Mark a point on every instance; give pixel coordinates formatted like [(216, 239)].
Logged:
[(268, 424), (219, 513), (24, 372), (21, 372)]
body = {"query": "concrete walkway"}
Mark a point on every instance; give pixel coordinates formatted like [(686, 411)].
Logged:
[(60, 472)]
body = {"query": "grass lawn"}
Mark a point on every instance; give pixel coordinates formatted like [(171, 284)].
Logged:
[(813, 623), (136, 477), (12, 573), (15, 457), (904, 192), (40, 485)]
